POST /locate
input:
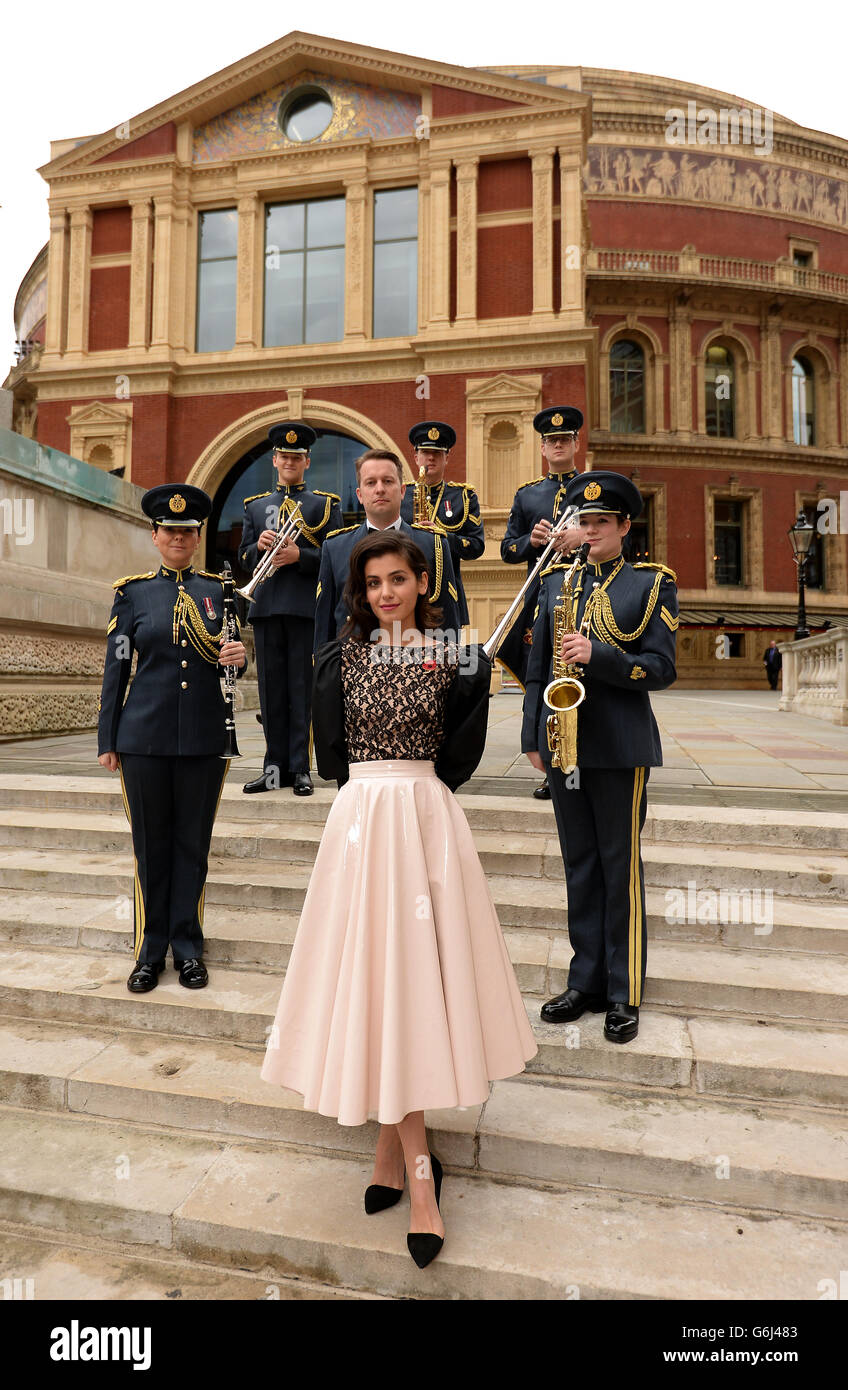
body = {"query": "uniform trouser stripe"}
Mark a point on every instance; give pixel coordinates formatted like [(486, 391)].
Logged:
[(635, 893), (138, 900)]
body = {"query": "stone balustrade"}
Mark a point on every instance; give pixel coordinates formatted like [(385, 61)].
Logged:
[(815, 675)]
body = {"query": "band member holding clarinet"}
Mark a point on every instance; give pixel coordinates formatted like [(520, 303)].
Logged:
[(282, 608), (535, 508), (172, 739), (605, 635)]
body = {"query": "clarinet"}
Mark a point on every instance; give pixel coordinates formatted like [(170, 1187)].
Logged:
[(231, 631)]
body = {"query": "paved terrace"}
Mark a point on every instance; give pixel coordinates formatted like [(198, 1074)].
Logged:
[(731, 748)]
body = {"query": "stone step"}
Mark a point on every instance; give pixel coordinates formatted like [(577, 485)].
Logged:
[(684, 869), (96, 1269), (215, 1086), (90, 987), (269, 1206), (722, 825), (74, 898)]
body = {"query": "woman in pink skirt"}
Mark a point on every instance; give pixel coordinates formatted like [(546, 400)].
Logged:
[(399, 996)]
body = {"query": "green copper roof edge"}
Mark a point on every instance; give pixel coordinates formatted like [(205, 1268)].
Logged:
[(50, 468)]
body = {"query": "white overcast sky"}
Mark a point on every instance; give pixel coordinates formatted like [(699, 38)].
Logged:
[(78, 69)]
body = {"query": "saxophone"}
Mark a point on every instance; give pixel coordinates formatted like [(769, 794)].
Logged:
[(566, 692), (421, 506)]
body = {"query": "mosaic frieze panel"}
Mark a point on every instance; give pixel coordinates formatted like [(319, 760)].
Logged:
[(741, 183), (359, 113)]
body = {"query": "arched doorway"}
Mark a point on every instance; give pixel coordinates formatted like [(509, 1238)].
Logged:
[(331, 469)]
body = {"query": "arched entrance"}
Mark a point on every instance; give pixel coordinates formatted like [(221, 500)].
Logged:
[(239, 460)]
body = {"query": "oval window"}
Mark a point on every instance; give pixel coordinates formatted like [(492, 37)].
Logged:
[(305, 114)]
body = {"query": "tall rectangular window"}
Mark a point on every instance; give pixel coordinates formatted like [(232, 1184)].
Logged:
[(395, 262), (216, 280), (728, 525), (304, 272)]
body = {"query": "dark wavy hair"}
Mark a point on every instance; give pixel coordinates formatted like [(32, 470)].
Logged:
[(362, 621)]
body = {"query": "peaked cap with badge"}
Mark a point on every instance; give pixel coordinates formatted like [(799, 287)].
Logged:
[(432, 434), (454, 507), (292, 437), (176, 504)]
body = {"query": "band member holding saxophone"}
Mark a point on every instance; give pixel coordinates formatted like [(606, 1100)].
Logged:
[(601, 641), (537, 505), (170, 740), (453, 508), (282, 611)]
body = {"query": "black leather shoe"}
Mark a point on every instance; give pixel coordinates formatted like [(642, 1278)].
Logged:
[(266, 783), (193, 973), (621, 1023), (572, 1004), (145, 977), (543, 791), (424, 1246), (303, 784)]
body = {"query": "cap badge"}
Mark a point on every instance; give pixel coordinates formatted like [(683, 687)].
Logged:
[(291, 437), (177, 503), (591, 491), (556, 419), (433, 433)]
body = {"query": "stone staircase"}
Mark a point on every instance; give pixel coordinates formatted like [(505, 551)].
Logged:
[(141, 1155)]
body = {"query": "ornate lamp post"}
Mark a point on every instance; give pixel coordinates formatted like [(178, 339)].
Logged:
[(801, 535)]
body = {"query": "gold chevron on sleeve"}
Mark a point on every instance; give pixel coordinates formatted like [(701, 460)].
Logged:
[(670, 621)]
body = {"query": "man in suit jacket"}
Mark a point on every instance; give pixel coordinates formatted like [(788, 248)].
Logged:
[(380, 489)]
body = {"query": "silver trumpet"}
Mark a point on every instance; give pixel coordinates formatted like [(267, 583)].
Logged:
[(289, 531), (561, 524)]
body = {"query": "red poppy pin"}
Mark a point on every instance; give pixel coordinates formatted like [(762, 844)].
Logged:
[(429, 664)]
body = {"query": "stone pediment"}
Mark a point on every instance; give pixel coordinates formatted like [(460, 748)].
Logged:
[(231, 104), (503, 387), (98, 413)]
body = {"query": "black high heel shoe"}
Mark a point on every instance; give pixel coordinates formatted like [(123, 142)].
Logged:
[(379, 1198), (424, 1246)]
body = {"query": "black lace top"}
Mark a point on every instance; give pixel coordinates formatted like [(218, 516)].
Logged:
[(394, 701)]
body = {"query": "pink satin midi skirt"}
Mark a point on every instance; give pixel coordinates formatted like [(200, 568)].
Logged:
[(399, 994)]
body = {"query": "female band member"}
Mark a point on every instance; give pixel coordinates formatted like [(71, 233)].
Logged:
[(168, 741), (399, 996)]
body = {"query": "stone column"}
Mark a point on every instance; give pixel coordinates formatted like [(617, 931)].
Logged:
[(572, 281), (79, 276), (249, 280), (680, 366), (57, 267), (543, 232), (466, 239), (358, 253), (439, 276), (163, 211), (770, 377), (140, 272)]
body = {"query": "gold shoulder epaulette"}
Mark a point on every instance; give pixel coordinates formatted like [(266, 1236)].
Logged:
[(436, 527), (210, 574), (128, 578), (557, 565), (340, 530), (321, 493), (532, 483), (649, 565), (255, 497), (465, 486)]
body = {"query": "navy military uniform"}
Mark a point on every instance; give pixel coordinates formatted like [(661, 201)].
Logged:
[(283, 611), (542, 498), (170, 734), (600, 811), (331, 614), (454, 507)]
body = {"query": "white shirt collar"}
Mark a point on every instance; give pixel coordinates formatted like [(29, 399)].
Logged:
[(395, 526)]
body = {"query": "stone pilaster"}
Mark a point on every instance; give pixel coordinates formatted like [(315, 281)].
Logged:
[(249, 280), (466, 239), (79, 276), (163, 212), (140, 271), (680, 368), (572, 280), (57, 272), (358, 248), (770, 377), (543, 232), (439, 276)]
